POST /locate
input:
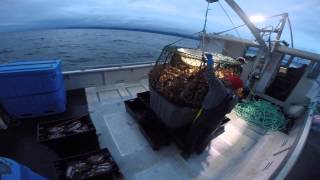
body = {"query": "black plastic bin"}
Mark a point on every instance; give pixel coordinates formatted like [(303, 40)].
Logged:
[(71, 143), (144, 98), (155, 131), (172, 115), (150, 126), (136, 109), (61, 166)]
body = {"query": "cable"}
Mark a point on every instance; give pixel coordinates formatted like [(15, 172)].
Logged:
[(204, 28), (221, 32), (206, 18), (182, 39), (226, 13), (291, 34)]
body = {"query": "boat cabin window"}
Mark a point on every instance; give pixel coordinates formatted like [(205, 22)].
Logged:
[(289, 74), (251, 53)]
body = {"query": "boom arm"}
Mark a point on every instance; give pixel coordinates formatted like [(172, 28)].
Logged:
[(246, 20)]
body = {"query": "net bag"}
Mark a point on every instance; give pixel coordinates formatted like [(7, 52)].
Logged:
[(178, 84)]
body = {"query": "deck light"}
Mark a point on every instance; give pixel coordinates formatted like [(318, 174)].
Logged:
[(256, 19)]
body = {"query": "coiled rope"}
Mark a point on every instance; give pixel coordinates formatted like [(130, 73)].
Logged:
[(262, 113)]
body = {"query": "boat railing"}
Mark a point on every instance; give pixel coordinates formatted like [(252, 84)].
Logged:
[(110, 67)]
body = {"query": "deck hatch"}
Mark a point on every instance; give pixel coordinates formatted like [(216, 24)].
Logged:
[(106, 95)]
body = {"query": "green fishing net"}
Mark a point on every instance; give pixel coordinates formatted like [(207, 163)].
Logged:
[(262, 113)]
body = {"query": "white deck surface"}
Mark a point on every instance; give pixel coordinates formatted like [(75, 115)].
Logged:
[(241, 152)]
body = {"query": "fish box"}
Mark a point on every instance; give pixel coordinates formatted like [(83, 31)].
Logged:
[(92, 165), (30, 78), (31, 89), (68, 136), (36, 105), (135, 108)]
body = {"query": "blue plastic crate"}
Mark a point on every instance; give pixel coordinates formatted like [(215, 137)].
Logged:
[(29, 78), (11, 170), (36, 105), (32, 89)]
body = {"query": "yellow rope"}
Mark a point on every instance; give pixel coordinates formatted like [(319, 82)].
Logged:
[(197, 116)]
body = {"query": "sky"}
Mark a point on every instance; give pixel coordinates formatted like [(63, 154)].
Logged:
[(179, 16)]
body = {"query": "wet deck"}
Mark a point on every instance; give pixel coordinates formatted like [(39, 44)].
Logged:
[(227, 155), (119, 133)]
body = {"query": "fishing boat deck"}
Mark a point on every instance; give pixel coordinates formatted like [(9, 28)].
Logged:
[(243, 151), (241, 148)]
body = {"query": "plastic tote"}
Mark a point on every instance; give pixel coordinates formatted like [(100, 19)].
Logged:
[(71, 143), (11, 170), (29, 78), (32, 88), (36, 105), (173, 116), (61, 166)]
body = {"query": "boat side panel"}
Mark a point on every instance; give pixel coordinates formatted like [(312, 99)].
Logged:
[(105, 76)]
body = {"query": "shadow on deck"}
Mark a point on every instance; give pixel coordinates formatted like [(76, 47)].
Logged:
[(19, 142)]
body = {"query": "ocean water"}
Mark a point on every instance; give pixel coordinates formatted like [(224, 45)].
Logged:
[(85, 48)]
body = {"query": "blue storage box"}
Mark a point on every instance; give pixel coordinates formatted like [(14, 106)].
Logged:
[(32, 89), (31, 77), (36, 105), (11, 170)]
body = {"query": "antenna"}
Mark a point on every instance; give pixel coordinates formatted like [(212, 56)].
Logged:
[(204, 28)]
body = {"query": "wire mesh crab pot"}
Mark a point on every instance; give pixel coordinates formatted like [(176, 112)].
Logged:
[(178, 84)]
